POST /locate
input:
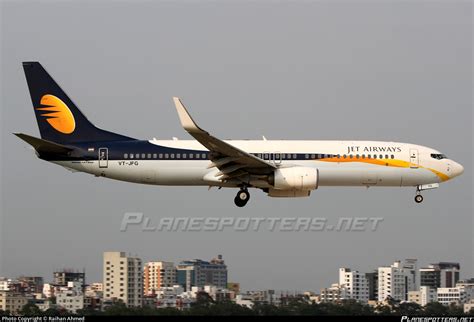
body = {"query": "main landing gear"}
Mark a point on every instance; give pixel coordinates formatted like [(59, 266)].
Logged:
[(242, 197), (418, 197)]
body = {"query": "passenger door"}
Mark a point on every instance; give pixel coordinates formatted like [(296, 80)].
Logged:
[(414, 161), (103, 157)]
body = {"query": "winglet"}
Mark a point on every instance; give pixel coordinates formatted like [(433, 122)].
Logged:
[(186, 120)]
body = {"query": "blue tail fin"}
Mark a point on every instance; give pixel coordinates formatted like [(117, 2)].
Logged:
[(59, 119)]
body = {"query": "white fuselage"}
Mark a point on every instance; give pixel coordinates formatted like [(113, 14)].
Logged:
[(339, 163)]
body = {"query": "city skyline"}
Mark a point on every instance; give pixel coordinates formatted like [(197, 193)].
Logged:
[(426, 267)]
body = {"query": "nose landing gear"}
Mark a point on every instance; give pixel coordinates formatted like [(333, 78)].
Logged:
[(242, 197), (418, 198)]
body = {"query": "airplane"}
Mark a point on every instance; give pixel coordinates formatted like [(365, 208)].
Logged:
[(280, 168)]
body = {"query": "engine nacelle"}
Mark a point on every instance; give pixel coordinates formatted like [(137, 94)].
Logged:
[(288, 193), (296, 178)]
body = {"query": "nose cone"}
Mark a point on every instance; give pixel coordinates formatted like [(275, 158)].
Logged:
[(457, 169)]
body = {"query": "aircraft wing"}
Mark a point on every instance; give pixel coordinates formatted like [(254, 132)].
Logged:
[(230, 160)]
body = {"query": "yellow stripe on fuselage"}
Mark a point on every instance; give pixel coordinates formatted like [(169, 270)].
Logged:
[(386, 162)]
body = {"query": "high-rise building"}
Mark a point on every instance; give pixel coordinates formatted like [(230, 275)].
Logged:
[(397, 280), (373, 282), (356, 284), (441, 274), (157, 275), (199, 273), (123, 278)]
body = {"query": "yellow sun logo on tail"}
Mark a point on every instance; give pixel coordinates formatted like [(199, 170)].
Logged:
[(57, 114)]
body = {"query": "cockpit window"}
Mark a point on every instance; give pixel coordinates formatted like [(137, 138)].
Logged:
[(438, 156)]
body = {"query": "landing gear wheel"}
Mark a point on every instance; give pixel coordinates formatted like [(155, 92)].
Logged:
[(418, 198), (242, 198)]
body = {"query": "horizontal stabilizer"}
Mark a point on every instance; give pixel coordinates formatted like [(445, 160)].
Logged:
[(44, 146)]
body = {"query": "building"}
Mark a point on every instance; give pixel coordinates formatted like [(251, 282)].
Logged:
[(123, 278), (199, 273), (235, 287), (93, 296), (373, 282), (423, 296), (262, 296), (31, 284), (219, 294), (441, 274), (453, 295), (397, 280), (7, 284), (71, 297), (157, 275), (335, 293), (95, 287), (12, 301), (355, 283), (62, 278), (469, 306), (44, 304)]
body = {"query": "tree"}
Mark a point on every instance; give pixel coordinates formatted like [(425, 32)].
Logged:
[(455, 310), (435, 309), (410, 308), (203, 299), (118, 308), (264, 309), (52, 312), (30, 309)]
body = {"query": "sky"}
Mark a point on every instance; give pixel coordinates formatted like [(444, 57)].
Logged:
[(358, 70)]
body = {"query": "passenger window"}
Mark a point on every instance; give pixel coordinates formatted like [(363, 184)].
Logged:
[(160, 155), (295, 156), (357, 156), (306, 156), (154, 155), (184, 155), (172, 155), (393, 157), (375, 156), (197, 155), (149, 156), (178, 156), (137, 156), (313, 156), (386, 156), (345, 156), (125, 156), (143, 155), (191, 155), (338, 156), (203, 155), (363, 156), (368, 156), (381, 156), (350, 156), (167, 156)]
